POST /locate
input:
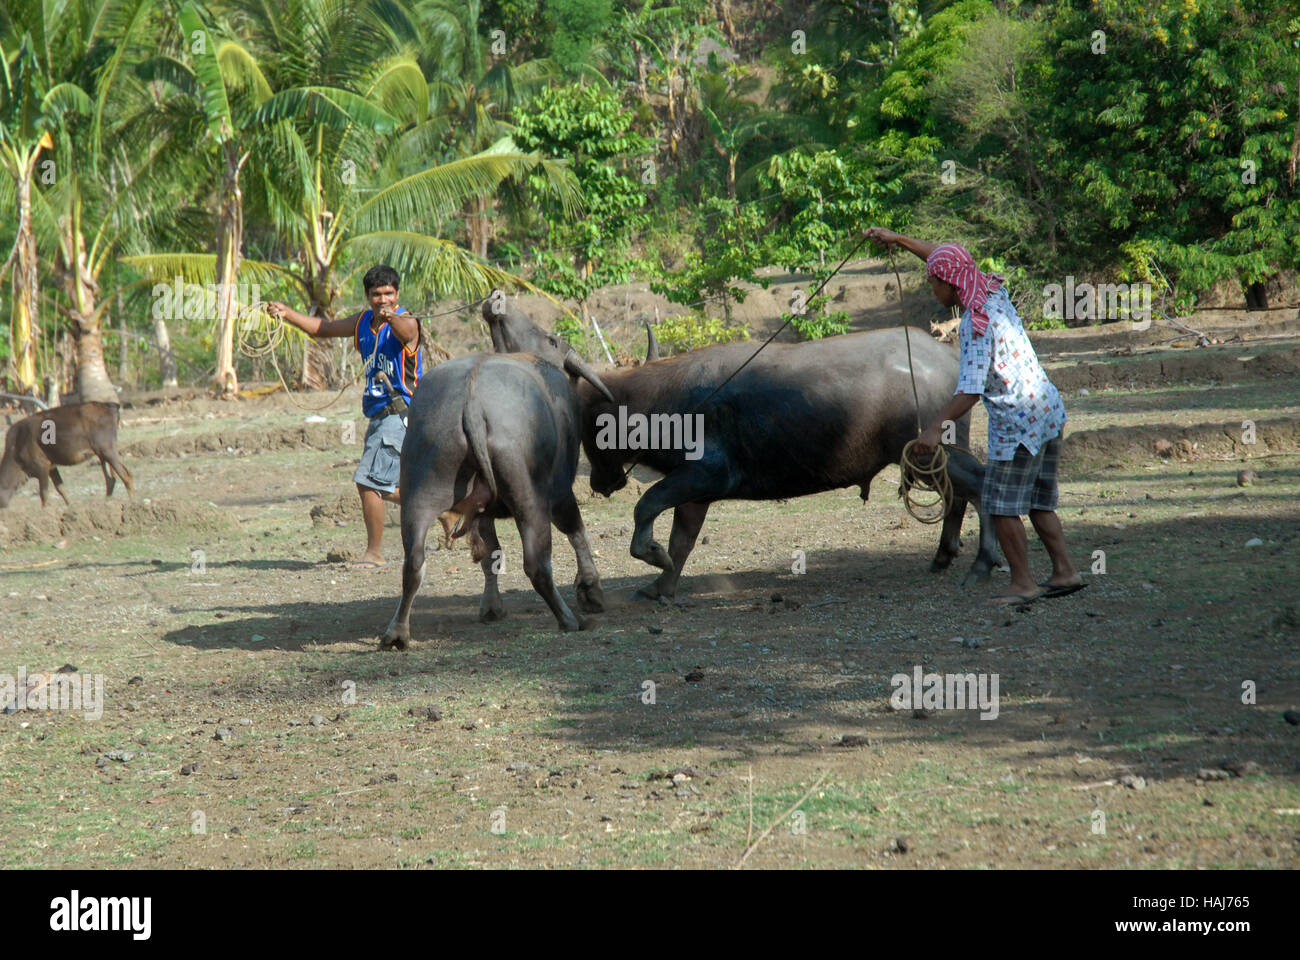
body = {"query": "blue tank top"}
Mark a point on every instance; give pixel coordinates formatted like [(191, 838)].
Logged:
[(402, 367)]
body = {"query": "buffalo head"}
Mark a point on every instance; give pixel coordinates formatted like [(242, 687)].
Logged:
[(512, 332)]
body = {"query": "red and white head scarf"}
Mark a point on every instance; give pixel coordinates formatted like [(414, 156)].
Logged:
[(953, 263)]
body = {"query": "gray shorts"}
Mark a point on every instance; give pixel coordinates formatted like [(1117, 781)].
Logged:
[(381, 460), (1012, 488)]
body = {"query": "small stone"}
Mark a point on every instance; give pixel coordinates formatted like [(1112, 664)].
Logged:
[(428, 713), (776, 598), (695, 676), (1292, 717), (1132, 782), (1242, 768), (1246, 477), (189, 768), (683, 794), (1084, 391), (1205, 773), (972, 643), (519, 766), (1164, 448), (317, 720), (655, 628), (223, 733), (854, 740), (922, 714), (135, 680), (245, 722), (1254, 542), (902, 844)]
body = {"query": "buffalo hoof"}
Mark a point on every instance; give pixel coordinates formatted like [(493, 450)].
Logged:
[(978, 573), (590, 597), (650, 592), (942, 561), (491, 614), (395, 640), (655, 555)]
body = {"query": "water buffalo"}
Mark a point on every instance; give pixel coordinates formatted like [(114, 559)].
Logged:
[(38, 445), (800, 419), (493, 436)]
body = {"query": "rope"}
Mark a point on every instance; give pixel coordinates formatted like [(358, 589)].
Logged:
[(813, 296), (274, 332), (930, 475)]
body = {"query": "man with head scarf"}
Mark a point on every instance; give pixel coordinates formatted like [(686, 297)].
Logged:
[(1026, 415)]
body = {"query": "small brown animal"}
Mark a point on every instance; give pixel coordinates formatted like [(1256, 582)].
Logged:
[(38, 445)]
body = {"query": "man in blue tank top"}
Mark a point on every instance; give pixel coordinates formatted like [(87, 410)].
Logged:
[(389, 340)]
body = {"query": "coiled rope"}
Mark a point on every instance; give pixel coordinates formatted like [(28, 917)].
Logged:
[(917, 473)]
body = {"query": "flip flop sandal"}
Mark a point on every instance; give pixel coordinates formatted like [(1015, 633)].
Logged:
[(1015, 599), (1055, 592), (357, 565)]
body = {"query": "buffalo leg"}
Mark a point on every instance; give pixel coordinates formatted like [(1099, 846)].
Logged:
[(679, 487), (490, 608), (43, 483), (568, 518), (120, 469), (419, 508), (967, 476), (535, 532), (110, 481), (58, 485), (688, 519)]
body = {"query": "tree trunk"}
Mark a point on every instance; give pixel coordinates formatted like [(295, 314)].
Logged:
[(92, 376), (122, 342), (230, 240), (166, 359), (25, 318)]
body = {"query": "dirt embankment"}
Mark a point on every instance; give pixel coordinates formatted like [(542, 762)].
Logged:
[(1196, 442), (1215, 365), (107, 518), (317, 436)]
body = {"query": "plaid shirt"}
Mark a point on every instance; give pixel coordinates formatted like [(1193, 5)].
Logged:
[(1023, 406)]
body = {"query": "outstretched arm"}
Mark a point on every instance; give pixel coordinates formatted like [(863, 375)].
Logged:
[(889, 238), (314, 326)]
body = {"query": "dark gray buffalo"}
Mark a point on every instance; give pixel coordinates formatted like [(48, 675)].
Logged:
[(493, 436), (800, 419)]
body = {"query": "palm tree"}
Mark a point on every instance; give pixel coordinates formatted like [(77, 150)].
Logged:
[(66, 71)]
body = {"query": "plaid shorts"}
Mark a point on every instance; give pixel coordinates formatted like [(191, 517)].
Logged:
[(1012, 488)]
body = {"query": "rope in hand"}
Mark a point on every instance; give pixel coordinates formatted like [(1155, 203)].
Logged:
[(929, 474), (254, 318)]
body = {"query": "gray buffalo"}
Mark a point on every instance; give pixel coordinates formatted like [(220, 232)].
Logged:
[(493, 436), (800, 419)]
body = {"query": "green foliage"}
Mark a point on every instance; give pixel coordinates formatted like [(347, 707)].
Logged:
[(587, 126), (577, 24), (694, 330), (731, 243), (824, 200)]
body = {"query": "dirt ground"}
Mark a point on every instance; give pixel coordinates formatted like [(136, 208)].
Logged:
[(250, 721)]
